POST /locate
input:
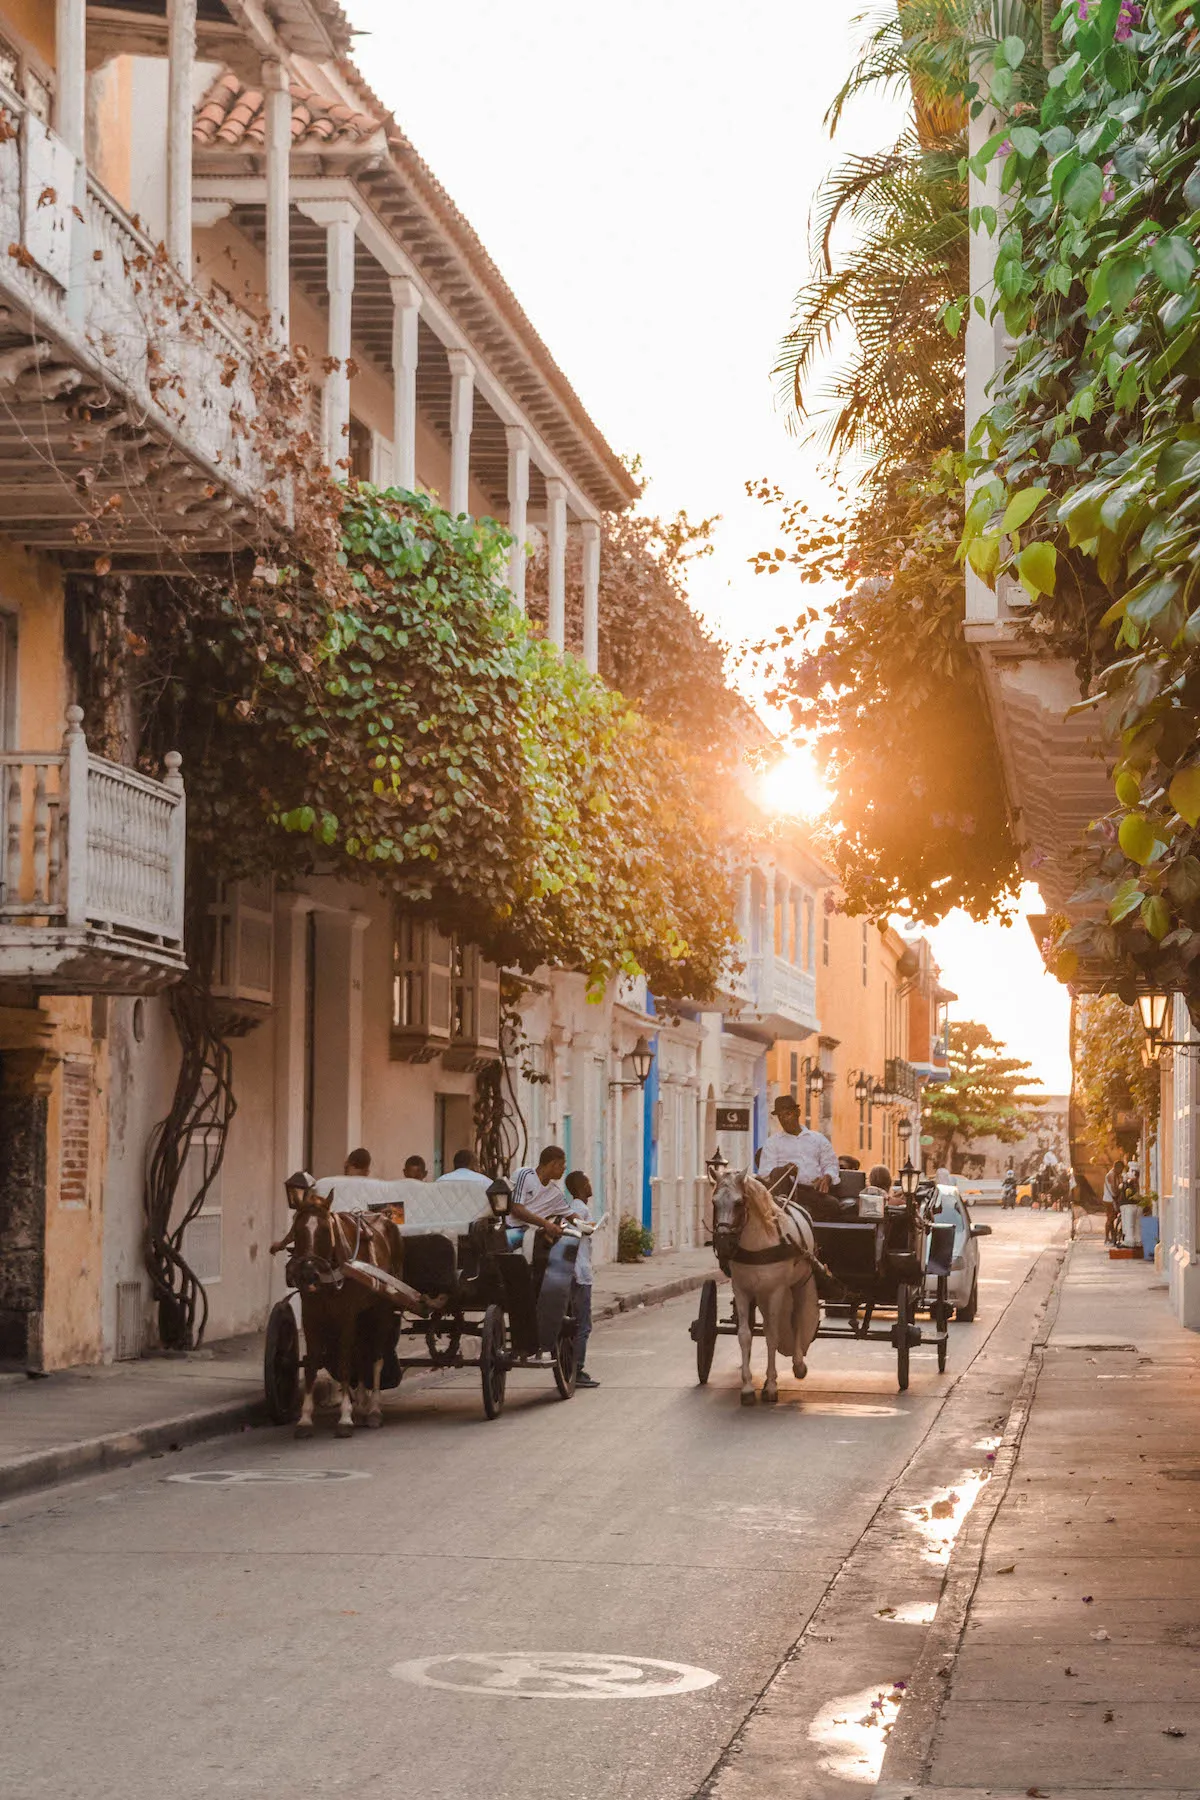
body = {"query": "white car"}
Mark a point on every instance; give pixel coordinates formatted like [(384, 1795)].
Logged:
[(964, 1268)]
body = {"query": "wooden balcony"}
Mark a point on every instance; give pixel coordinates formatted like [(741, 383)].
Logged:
[(125, 398), (91, 872)]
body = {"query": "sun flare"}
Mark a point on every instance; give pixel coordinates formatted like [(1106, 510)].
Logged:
[(793, 787)]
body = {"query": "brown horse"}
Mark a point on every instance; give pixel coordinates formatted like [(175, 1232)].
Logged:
[(348, 1328), (769, 1253)]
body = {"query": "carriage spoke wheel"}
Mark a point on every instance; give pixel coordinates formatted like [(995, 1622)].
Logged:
[(493, 1361), (904, 1317), (705, 1330), (566, 1358), (281, 1365)]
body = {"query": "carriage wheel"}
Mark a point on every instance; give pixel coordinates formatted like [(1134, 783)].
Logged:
[(281, 1365), (493, 1363), (904, 1314), (705, 1331), (566, 1359), (941, 1314)]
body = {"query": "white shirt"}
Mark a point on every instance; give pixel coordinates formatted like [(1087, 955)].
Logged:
[(811, 1151), (466, 1175), (546, 1198), (583, 1261)]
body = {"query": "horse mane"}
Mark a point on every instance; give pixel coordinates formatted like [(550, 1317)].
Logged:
[(760, 1202)]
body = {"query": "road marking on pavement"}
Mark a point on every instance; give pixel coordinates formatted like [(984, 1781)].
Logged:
[(555, 1675), (244, 1477)]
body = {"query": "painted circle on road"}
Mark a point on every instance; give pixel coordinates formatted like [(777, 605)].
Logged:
[(245, 1477), (555, 1675)]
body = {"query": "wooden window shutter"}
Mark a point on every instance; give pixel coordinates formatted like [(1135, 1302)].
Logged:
[(244, 964)]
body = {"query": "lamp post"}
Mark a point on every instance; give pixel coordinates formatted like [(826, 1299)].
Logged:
[(716, 1166), (879, 1094), (904, 1131), (910, 1180), (862, 1088)]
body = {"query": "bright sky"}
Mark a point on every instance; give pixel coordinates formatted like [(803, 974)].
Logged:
[(642, 174)]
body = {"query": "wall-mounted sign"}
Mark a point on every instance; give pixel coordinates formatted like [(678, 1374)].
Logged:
[(733, 1118)]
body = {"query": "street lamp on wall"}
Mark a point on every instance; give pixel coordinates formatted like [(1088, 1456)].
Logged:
[(904, 1131), (1153, 1010), (642, 1058), (862, 1089), (879, 1094)]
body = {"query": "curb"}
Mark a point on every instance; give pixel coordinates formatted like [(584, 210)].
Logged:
[(911, 1741), (46, 1468), (651, 1296)]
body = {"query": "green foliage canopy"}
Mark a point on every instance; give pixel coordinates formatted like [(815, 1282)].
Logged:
[(405, 721), (1094, 435)]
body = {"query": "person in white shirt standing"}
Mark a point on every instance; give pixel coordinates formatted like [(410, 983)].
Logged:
[(810, 1153)]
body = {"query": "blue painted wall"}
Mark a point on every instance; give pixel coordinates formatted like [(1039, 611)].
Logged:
[(649, 1128)]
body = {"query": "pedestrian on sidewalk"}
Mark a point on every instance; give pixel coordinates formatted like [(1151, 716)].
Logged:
[(1114, 1182), (579, 1191)]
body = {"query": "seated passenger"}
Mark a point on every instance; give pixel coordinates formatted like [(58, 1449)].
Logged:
[(466, 1168), (880, 1177)]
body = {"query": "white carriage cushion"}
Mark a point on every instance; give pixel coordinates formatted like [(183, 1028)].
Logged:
[(428, 1205)]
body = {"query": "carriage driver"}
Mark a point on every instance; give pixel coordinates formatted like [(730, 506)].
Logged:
[(810, 1153)]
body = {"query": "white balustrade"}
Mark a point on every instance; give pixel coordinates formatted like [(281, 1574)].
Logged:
[(89, 846), (100, 282)]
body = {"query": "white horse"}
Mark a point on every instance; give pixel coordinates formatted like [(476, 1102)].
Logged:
[(769, 1253)]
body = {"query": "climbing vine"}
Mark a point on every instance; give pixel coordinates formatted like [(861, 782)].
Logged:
[(1088, 459), (403, 721)]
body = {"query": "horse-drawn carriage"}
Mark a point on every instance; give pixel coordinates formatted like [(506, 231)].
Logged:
[(874, 1259), (378, 1267)]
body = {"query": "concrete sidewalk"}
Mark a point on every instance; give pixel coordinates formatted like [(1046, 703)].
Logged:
[(83, 1419), (1078, 1671)]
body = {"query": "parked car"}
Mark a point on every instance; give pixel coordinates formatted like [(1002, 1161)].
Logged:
[(964, 1268)]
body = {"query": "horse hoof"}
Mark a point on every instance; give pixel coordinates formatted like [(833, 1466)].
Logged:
[(770, 1399), (800, 1370), (374, 1421), (303, 1431), (750, 1399), (344, 1428)]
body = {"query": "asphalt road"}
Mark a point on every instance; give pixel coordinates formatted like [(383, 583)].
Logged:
[(233, 1635)]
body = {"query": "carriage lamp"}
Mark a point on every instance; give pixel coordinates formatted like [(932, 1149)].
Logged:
[(910, 1180), (862, 1090), (716, 1166), (296, 1186), (499, 1196), (642, 1058), (815, 1083)]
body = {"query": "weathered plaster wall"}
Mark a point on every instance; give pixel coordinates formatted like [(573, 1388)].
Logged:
[(32, 20)]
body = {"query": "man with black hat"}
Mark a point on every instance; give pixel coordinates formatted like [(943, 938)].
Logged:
[(810, 1153)]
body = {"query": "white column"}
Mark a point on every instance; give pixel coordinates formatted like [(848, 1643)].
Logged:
[(277, 118), (406, 312), (591, 594), (70, 92), (518, 509), (181, 64), (340, 220), (462, 403), (556, 550)]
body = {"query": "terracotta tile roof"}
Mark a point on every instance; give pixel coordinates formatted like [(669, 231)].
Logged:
[(231, 116)]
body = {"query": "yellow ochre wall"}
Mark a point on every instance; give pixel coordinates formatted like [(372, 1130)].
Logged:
[(31, 590), (32, 20)]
